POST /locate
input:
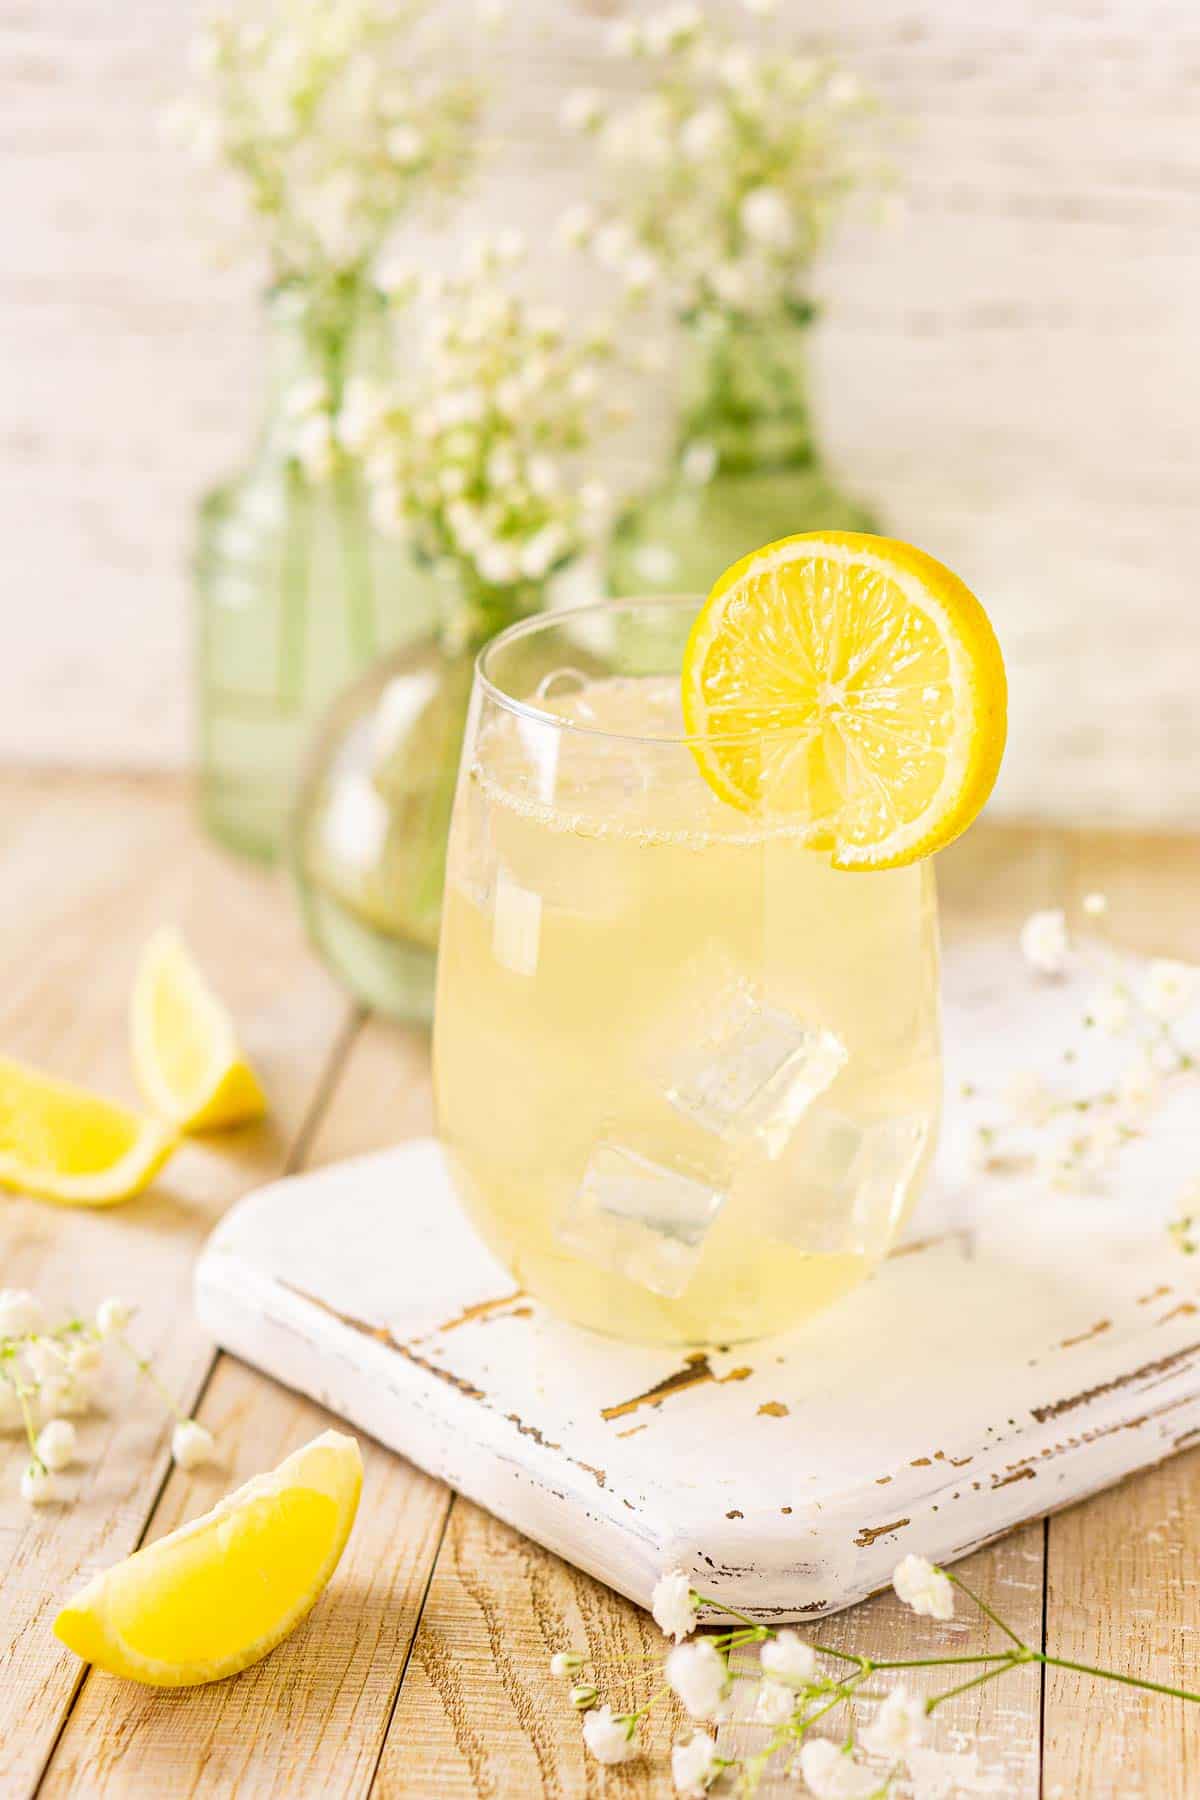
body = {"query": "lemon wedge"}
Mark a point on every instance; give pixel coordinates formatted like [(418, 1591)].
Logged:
[(63, 1143), (185, 1052), (851, 682), (216, 1595)]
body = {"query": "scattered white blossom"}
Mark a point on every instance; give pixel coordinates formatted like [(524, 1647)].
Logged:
[(775, 1703), (698, 464), (565, 1662), (112, 1317), (1139, 1083), (900, 1724), (610, 1740), (925, 1588), (1169, 989), (674, 1605), (39, 1486), (1110, 1007), (192, 1444), (583, 1695), (694, 1765), (1029, 1099), (21, 1313), (698, 1674), (832, 1774), (56, 1444), (786, 1657), (1095, 905), (582, 110), (1044, 941)]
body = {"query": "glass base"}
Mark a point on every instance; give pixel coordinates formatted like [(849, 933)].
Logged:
[(388, 974), (681, 538)]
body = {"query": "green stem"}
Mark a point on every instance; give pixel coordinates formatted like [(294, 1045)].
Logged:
[(1151, 1687), (996, 1620), (977, 1681), (939, 1662), (145, 1367)]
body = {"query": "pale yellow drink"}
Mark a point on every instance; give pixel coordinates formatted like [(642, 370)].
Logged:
[(688, 1075)]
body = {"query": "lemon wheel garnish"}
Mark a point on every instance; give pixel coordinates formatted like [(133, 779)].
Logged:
[(218, 1594), (185, 1051), (63, 1143), (852, 683)]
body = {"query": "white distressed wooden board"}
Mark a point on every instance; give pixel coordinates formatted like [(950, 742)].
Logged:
[(1021, 1351)]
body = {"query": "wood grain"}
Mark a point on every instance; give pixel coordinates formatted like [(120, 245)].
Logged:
[(89, 869), (308, 1721)]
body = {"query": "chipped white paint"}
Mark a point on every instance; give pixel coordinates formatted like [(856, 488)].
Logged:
[(1031, 1354), (1012, 375)]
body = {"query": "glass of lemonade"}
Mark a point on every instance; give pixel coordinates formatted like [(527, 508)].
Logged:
[(688, 1074)]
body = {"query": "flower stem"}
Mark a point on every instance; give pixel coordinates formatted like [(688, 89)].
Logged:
[(984, 1608), (145, 1367), (1152, 1687), (1010, 1662), (938, 1662)]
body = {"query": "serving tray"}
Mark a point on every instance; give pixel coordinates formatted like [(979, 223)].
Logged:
[(1020, 1350)]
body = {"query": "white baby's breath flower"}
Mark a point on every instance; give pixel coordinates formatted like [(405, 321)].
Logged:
[(832, 1774), (112, 1317), (1044, 941), (1095, 905), (308, 396), (497, 562), (192, 1444), (671, 28), (640, 273), (576, 225), (610, 1740), (775, 1703), (1109, 1008), (38, 1485), (315, 444), (898, 1727), (406, 145), (732, 285), (583, 1696), (1029, 1099), (581, 110), (21, 1313), (541, 472), (624, 38), (613, 244), (674, 1605), (1059, 1164), (1168, 989), (595, 499), (85, 1358), (704, 132), (1139, 1084), (56, 1444), (925, 1588), (786, 1657), (763, 9), (565, 1662), (1102, 1143), (697, 1673), (844, 88), (543, 550), (698, 464), (694, 1765), (767, 218)]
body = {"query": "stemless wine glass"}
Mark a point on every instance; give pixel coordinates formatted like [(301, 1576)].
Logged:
[(688, 1075)]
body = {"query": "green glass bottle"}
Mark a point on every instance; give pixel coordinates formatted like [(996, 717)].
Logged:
[(368, 834), (294, 590), (747, 467)]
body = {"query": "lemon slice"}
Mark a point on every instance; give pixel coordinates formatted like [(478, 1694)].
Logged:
[(216, 1595), (851, 682), (62, 1143), (185, 1052)]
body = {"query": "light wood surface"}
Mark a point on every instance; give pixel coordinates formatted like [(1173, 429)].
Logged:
[(424, 1669)]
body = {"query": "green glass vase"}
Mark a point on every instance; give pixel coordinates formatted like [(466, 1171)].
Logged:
[(747, 467), (372, 814), (295, 592)]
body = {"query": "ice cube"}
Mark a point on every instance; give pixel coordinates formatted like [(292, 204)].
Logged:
[(516, 924), (640, 1218), (846, 1181), (753, 1069)]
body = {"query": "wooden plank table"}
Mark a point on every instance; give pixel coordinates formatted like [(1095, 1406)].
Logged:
[(424, 1669)]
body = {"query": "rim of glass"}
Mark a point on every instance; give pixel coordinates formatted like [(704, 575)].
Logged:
[(544, 621)]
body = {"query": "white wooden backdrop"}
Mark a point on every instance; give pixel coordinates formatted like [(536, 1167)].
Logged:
[(1013, 374)]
